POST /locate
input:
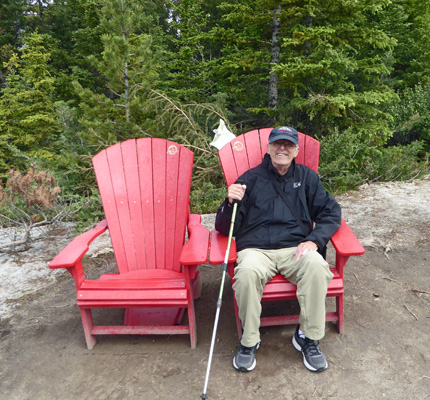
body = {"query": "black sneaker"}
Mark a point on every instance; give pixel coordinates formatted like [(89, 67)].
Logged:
[(244, 360), (313, 358)]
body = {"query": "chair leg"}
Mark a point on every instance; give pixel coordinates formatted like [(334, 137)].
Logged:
[(197, 286), (339, 310), (179, 316), (238, 321), (192, 324), (87, 322), (192, 317)]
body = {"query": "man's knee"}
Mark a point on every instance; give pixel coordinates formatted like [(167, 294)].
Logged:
[(315, 265), (251, 266), (314, 258), (246, 276)]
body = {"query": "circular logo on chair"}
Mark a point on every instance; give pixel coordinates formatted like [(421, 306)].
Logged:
[(172, 150), (238, 146)]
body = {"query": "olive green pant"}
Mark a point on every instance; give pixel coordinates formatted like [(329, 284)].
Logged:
[(256, 267)]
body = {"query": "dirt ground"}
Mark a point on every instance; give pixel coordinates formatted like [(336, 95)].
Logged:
[(382, 354)]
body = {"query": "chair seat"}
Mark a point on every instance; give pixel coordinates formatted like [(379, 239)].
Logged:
[(131, 298), (143, 274), (163, 299), (279, 288), (135, 288)]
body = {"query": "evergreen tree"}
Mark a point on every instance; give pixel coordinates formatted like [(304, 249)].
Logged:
[(332, 66), (27, 126), (12, 24), (73, 26), (408, 21), (192, 50), (315, 65), (251, 34), (129, 67)]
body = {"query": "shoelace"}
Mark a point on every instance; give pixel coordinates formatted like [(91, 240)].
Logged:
[(311, 346), (245, 350), (248, 350)]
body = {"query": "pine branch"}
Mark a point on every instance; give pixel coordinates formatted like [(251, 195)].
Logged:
[(175, 107)]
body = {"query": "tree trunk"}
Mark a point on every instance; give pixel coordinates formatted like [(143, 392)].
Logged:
[(274, 59), (126, 93), (126, 78), (308, 45)]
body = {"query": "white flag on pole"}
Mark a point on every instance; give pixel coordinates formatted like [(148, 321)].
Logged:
[(222, 135)]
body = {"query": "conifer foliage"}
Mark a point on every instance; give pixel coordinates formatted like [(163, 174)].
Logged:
[(27, 126), (80, 75), (117, 111)]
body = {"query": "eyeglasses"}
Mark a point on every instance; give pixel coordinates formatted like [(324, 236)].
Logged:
[(286, 144)]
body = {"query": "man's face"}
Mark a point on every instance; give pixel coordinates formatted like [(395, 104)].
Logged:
[(282, 153)]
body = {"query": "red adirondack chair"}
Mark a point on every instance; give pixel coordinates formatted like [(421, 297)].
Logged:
[(243, 153), (144, 186)]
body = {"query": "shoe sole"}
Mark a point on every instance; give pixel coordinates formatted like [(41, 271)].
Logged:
[(307, 365), (243, 369)]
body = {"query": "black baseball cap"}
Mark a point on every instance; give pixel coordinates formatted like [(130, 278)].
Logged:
[(284, 132)]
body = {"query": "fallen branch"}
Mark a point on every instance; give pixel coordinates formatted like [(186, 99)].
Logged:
[(420, 291), (410, 312), (392, 280), (61, 306), (14, 243)]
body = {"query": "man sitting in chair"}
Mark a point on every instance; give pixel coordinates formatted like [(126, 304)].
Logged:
[(279, 201)]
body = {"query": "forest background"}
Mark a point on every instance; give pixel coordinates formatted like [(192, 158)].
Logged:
[(77, 76)]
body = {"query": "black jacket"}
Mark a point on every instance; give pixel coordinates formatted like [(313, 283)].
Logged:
[(264, 221)]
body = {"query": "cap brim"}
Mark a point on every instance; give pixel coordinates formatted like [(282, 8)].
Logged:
[(282, 137)]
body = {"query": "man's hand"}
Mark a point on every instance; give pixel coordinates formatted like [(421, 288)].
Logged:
[(236, 192), (303, 248)]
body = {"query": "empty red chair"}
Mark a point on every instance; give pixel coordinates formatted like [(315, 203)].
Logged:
[(144, 186)]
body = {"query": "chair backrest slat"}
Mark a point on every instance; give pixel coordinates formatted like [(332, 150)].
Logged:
[(145, 185)]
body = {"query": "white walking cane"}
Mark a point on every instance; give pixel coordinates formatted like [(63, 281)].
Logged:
[(218, 304)]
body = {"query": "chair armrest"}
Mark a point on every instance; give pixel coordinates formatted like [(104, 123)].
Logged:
[(219, 248), (346, 243), (195, 251), (77, 248)]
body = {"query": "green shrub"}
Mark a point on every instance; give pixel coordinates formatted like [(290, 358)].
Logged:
[(90, 211), (207, 198), (411, 116), (346, 161), (398, 163)]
